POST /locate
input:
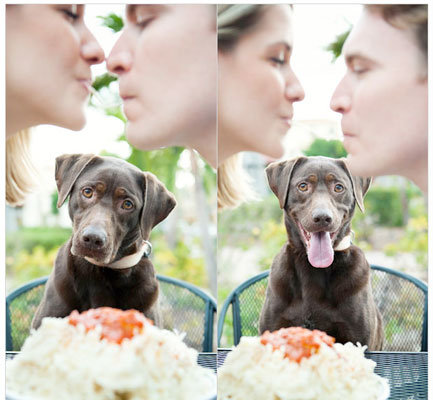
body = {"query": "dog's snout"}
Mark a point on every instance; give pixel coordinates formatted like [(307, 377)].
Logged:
[(94, 237), (322, 217)]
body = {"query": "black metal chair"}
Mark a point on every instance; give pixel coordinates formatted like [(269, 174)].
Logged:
[(184, 307), (401, 299)]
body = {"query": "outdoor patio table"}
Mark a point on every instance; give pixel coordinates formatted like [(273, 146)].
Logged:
[(406, 372), (207, 360)]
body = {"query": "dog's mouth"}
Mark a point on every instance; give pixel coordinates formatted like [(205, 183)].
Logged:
[(102, 256), (319, 246)]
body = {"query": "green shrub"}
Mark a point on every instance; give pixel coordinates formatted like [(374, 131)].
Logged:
[(239, 225), (28, 238), (415, 241), (384, 206), (326, 148), (272, 236), (178, 262), (28, 265)]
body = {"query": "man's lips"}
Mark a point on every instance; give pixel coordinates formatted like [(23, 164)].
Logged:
[(127, 97), (125, 92)]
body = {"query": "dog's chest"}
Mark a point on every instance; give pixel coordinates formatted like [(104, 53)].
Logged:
[(107, 289), (315, 302)]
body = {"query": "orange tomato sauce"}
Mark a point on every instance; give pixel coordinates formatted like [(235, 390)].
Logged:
[(116, 324), (296, 342)]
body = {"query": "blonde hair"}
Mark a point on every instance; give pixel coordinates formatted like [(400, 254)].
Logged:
[(20, 172), (406, 16), (234, 21), (233, 183)]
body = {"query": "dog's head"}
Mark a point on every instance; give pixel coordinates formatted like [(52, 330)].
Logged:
[(318, 195), (113, 205)]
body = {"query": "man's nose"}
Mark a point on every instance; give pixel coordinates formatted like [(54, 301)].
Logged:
[(341, 99)]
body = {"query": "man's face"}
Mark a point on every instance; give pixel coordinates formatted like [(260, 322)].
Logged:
[(166, 60), (383, 100)]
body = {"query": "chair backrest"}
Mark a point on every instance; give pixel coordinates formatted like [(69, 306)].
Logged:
[(188, 309), (401, 299), (184, 307)]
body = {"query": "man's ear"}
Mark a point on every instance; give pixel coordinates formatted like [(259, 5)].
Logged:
[(279, 176), (360, 185), (158, 203), (68, 169)]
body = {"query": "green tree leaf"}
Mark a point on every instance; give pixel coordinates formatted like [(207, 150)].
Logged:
[(103, 80), (112, 21), (336, 46)]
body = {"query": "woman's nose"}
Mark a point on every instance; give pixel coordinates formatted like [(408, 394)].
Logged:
[(340, 100), (91, 51), (294, 91), (120, 59)]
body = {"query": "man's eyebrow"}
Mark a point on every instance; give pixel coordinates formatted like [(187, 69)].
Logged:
[(130, 9)]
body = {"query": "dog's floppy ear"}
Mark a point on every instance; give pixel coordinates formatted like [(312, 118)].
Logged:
[(279, 175), (360, 185), (68, 169), (158, 203)]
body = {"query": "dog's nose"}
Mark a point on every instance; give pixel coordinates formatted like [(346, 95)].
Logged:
[(322, 217), (94, 237)]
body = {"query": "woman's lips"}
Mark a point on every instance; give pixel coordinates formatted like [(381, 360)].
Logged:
[(86, 84), (287, 121)]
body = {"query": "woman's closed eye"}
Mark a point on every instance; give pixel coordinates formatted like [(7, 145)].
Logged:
[(71, 12), (282, 58)]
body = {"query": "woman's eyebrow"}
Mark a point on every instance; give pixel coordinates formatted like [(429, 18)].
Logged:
[(283, 43)]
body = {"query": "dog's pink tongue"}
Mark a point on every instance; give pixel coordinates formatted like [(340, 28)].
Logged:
[(320, 252)]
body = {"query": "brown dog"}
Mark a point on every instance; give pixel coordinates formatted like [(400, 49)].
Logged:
[(319, 280), (113, 206)]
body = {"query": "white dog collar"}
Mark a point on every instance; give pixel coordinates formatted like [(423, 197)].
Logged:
[(344, 243), (127, 261)]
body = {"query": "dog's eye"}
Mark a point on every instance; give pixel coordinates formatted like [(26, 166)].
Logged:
[(87, 192), (303, 187), (338, 188), (127, 205)]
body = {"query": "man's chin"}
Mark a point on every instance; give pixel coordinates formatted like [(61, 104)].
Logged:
[(145, 137), (363, 165)]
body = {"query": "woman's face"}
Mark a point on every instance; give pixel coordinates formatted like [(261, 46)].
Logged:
[(49, 52), (166, 63), (257, 88)]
